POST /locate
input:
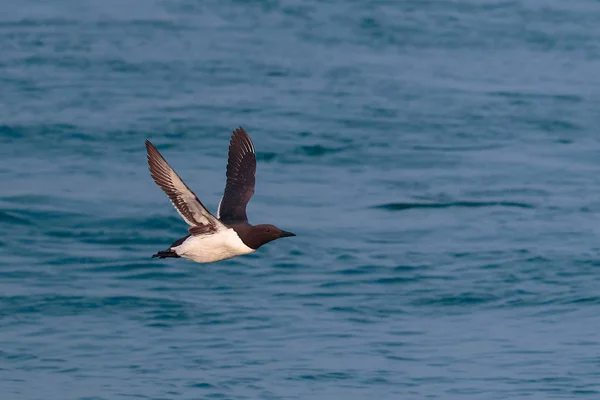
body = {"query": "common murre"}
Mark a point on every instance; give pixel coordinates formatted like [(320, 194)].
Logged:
[(228, 234)]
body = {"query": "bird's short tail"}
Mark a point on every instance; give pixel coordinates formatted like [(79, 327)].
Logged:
[(166, 254)]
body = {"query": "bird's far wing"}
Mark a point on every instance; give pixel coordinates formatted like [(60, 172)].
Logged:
[(241, 171)]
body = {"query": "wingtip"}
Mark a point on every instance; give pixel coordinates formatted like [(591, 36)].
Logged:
[(152, 155), (240, 134), (151, 150), (239, 131)]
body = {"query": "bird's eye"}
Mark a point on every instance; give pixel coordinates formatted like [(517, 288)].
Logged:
[(268, 230)]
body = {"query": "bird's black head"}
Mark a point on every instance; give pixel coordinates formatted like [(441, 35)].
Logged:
[(262, 234)]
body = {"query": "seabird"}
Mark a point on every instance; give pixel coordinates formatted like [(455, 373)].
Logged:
[(228, 234)]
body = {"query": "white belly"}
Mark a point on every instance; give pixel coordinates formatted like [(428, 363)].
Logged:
[(210, 248)]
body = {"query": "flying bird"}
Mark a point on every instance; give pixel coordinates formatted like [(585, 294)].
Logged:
[(228, 234)]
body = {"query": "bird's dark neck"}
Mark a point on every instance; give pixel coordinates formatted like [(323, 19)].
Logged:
[(247, 234)]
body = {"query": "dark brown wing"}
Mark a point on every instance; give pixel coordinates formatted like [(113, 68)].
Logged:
[(241, 171), (185, 201)]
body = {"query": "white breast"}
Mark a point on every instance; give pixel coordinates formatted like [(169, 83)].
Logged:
[(210, 248)]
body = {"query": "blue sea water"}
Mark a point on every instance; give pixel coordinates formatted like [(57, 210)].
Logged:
[(438, 160)]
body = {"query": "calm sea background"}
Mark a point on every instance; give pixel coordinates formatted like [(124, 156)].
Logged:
[(439, 161)]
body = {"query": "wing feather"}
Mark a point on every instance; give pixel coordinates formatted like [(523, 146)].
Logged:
[(241, 172), (187, 204)]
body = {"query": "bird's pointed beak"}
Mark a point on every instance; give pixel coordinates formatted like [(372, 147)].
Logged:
[(286, 234)]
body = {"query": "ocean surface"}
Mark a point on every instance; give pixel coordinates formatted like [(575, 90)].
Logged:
[(438, 160)]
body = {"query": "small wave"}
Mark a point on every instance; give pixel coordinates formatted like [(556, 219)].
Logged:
[(201, 385), (13, 219), (324, 376), (336, 284), (582, 300), (361, 270), (530, 95), (462, 204), (68, 305), (127, 267), (395, 280), (464, 299), (10, 132), (32, 23), (159, 276), (318, 150), (266, 156), (287, 265)]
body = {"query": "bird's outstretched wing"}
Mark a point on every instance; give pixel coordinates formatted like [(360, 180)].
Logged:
[(241, 171), (183, 199)]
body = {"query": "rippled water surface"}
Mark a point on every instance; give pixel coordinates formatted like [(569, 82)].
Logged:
[(437, 159)]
